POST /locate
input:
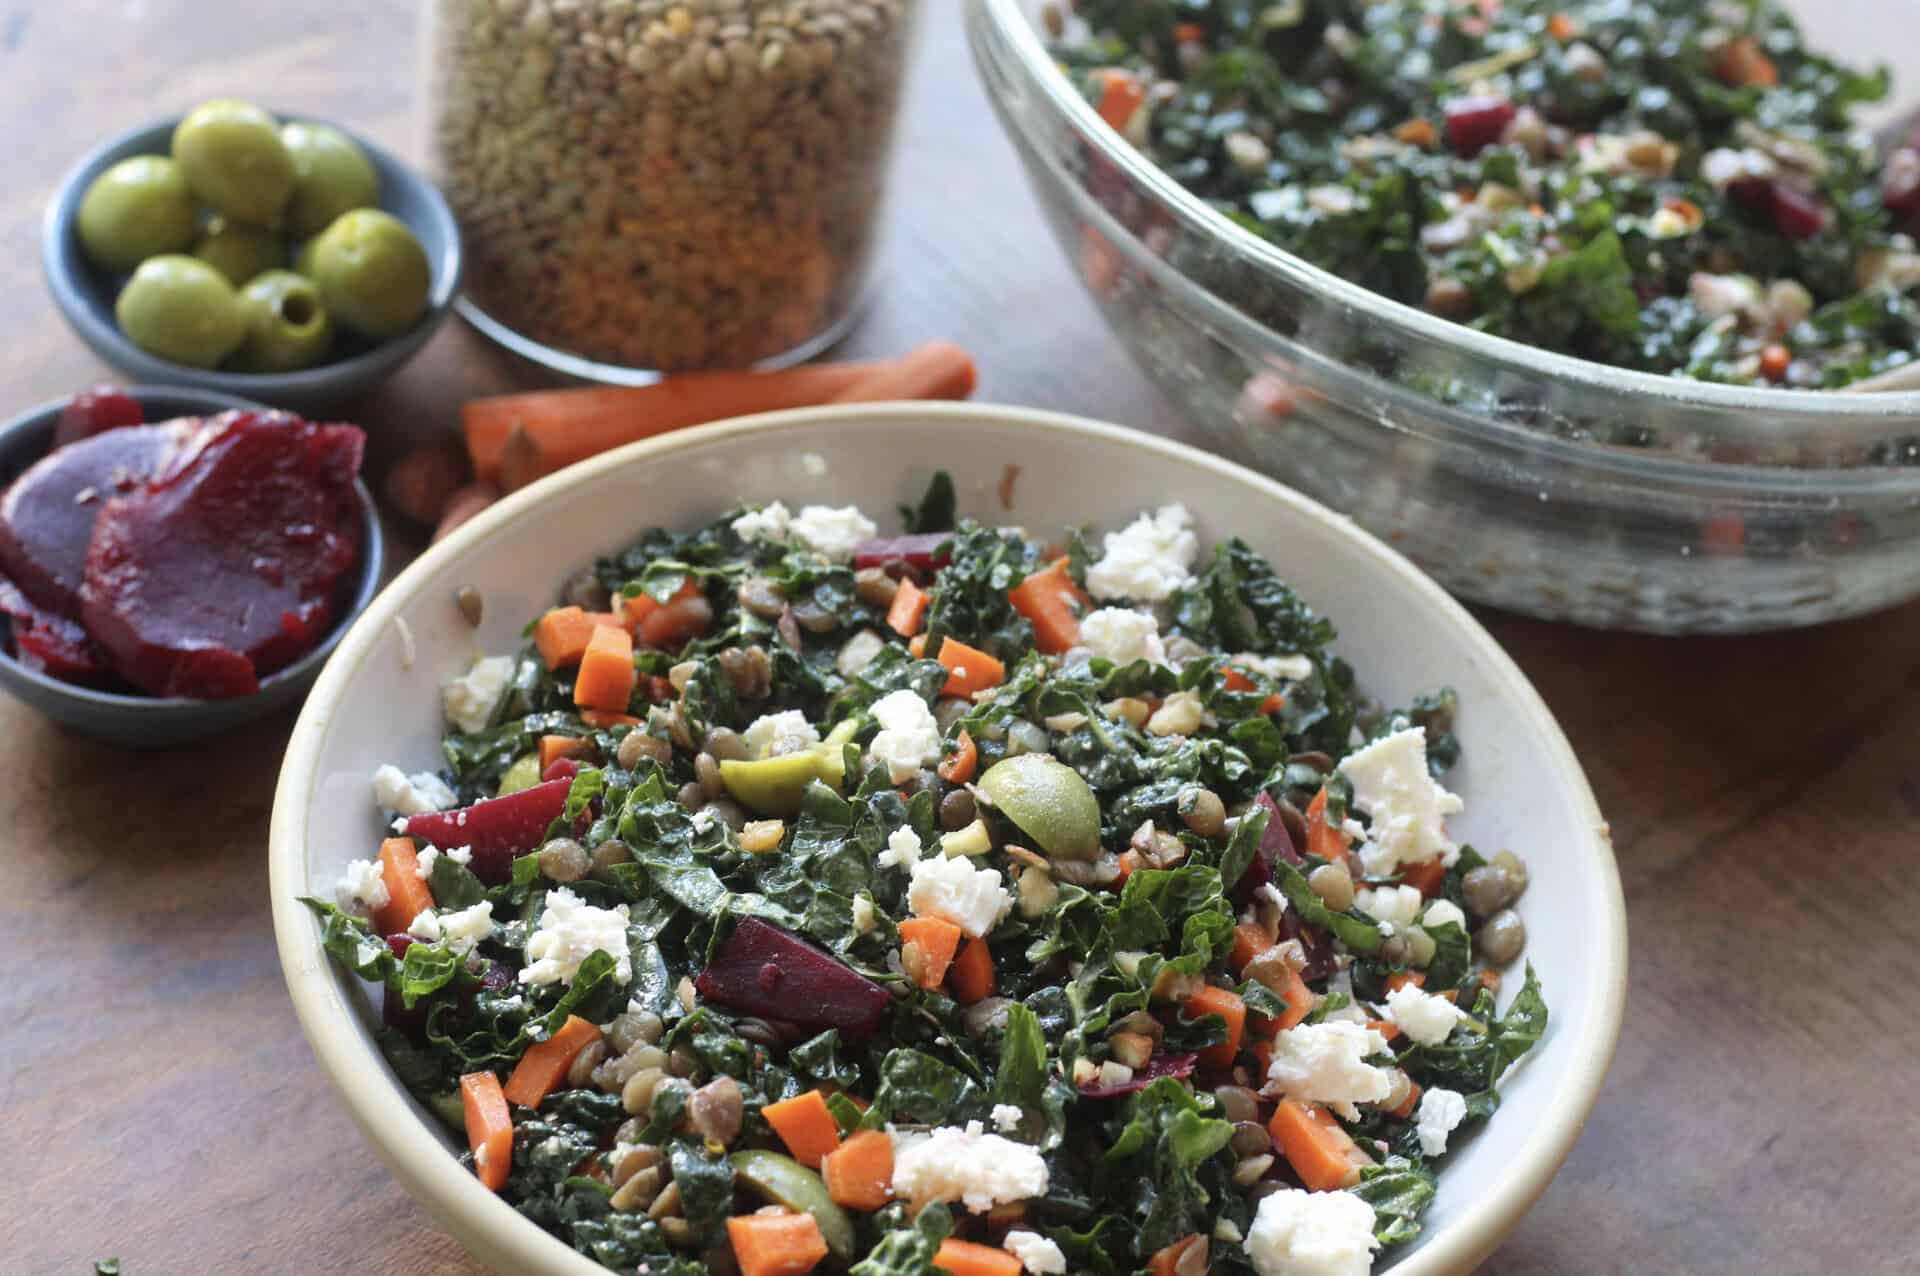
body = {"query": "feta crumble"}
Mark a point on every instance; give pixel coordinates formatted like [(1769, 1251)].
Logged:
[(1297, 1233), (909, 737), (362, 888), (1006, 1117), (770, 523), (1440, 1114), (1036, 1253), (977, 1169), (423, 865), (1398, 906), (774, 734), (832, 532), (570, 931), (953, 889), (1425, 1017), (469, 700), (1148, 559), (405, 794), (1326, 1063), (1405, 808), (1279, 668), (1444, 912), (862, 914), (425, 926), (903, 849), (465, 927), (1123, 635)]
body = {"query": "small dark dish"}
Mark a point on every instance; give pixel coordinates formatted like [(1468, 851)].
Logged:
[(150, 721), (86, 294)]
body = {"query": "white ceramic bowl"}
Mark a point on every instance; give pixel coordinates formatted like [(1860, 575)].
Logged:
[(378, 701)]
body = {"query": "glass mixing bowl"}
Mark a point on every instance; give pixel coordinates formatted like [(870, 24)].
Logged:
[(1527, 480)]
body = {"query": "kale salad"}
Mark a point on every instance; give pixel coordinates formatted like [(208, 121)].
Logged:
[(1673, 186), (804, 898)]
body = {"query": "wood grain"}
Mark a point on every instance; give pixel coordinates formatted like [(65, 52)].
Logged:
[(158, 1103)]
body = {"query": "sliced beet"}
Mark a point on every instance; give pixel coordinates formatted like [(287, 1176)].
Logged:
[(920, 551), (561, 769), (228, 563), (95, 411), (764, 970), (47, 515), (498, 829), (1474, 123), (1275, 844), (1313, 942), (50, 644), (1797, 214), (1161, 1065)]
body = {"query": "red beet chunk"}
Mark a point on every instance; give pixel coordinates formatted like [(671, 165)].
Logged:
[(1474, 123), (497, 829), (1796, 214), (920, 552), (50, 644), (228, 563), (561, 769), (763, 970), (95, 411), (1275, 844), (47, 515), (1161, 1065)]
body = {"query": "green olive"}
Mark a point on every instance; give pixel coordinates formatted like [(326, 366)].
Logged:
[(772, 786), (240, 251), (523, 774), (235, 161), (287, 327), (1048, 801), (784, 1181), (331, 176), (137, 209), (371, 272), (180, 308)]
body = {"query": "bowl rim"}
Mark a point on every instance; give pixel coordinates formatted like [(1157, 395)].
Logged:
[(373, 559), (67, 280), (1861, 410), (402, 1138)]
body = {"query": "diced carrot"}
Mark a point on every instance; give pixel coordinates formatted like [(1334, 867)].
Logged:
[(1054, 604), (1742, 64), (1299, 999), (1774, 362), (605, 680), (489, 1128), (859, 1173), (1407, 1105), (407, 894), (936, 370), (1384, 1028), (968, 668), (1417, 132), (562, 636), (1189, 32), (1490, 980), (601, 720), (1249, 941), (957, 767), (1121, 94), (673, 624), (1561, 26), (972, 975), (1401, 978), (776, 1244), (541, 1068), (1426, 877), (1237, 681), (1319, 1151), (1130, 862), (638, 607), (909, 609), (934, 940), (1323, 839), (1166, 1262), (969, 1258), (555, 747), (1229, 1006), (805, 1125)]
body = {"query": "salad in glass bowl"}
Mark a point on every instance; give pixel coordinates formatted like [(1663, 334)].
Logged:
[(799, 898)]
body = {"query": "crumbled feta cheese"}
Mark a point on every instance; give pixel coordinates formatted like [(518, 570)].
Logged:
[(570, 931), (1425, 1017), (1123, 635), (465, 927), (1297, 1233), (1326, 1063), (1440, 1114), (1398, 906), (774, 734), (425, 927), (1036, 1253), (977, 1169), (1405, 808), (832, 532), (362, 888), (1148, 559), (903, 849), (461, 855), (1444, 912), (1723, 166), (862, 913), (1006, 1117), (909, 736), (770, 523), (405, 794), (1113, 1075), (423, 866), (1279, 668), (468, 701), (971, 898)]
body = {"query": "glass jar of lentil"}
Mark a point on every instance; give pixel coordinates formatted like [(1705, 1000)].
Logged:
[(663, 185)]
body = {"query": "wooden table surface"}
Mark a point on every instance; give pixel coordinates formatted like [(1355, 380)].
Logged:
[(158, 1103)]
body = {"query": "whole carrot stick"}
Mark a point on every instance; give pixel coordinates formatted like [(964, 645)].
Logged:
[(936, 370)]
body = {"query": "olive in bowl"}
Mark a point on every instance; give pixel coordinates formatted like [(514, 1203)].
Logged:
[(330, 169)]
